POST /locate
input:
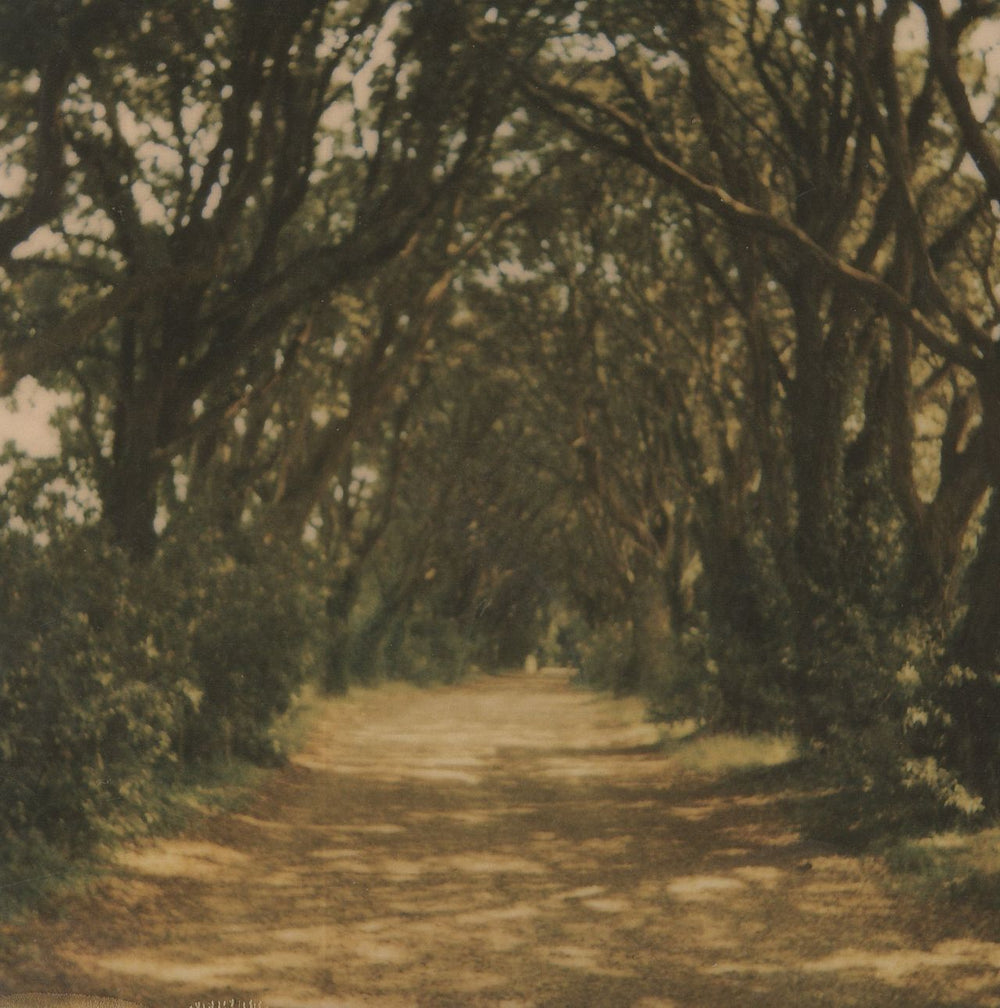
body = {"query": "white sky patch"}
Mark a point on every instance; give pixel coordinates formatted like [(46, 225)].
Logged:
[(911, 32), (383, 53), (512, 270), (150, 209), (181, 483), (161, 520), (212, 201), (82, 220), (41, 241), (12, 180), (369, 142), (25, 418), (984, 43), (134, 131), (338, 117), (191, 118), (363, 480), (160, 158), (610, 268)]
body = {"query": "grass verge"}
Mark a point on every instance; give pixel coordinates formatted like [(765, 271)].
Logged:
[(960, 867), (724, 753)]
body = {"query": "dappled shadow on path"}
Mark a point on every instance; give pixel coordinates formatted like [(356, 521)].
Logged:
[(503, 842)]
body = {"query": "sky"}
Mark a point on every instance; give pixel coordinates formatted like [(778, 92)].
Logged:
[(24, 418)]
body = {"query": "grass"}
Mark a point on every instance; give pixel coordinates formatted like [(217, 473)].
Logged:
[(958, 866), (962, 867), (724, 752)]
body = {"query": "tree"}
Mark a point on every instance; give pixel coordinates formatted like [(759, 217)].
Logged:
[(231, 169)]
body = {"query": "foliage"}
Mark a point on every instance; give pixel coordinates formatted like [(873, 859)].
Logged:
[(604, 655), (957, 866), (88, 708), (241, 622), (113, 678)]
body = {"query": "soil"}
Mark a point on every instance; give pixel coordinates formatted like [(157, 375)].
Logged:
[(508, 841)]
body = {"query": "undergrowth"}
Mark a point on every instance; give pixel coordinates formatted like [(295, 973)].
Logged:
[(38, 876), (962, 868)]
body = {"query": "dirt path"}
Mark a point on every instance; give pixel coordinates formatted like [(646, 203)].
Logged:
[(506, 842)]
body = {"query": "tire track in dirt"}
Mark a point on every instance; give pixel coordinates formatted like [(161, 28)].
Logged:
[(508, 841)]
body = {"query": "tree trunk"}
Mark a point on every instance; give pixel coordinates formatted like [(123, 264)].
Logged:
[(343, 595), (128, 492), (817, 418), (977, 641), (974, 697)]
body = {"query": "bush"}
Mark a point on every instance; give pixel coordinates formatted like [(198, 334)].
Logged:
[(113, 676), (87, 710), (242, 622), (605, 653), (424, 649)]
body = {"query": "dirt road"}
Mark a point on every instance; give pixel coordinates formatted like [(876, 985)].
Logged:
[(505, 842)]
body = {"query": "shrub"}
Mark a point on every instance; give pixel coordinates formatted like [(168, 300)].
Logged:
[(605, 653), (424, 649), (86, 709), (240, 624), (114, 675)]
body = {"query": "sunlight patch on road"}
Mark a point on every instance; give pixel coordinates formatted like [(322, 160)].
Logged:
[(491, 864), (268, 825), (703, 887), (733, 852), (337, 853), (178, 858), (316, 935), (608, 905), (500, 914), (757, 968), (373, 829), (467, 817), (163, 967), (375, 950), (571, 769), (717, 753), (584, 958), (62, 1001), (897, 965), (441, 774), (761, 875), (762, 835), (608, 845), (586, 892), (695, 813), (485, 863)]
